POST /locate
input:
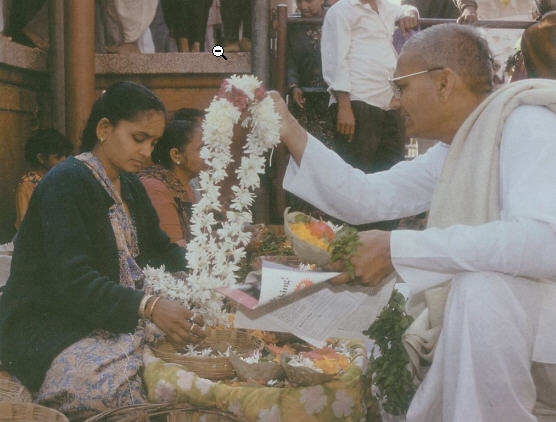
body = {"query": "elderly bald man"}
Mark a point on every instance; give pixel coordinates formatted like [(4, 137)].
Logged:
[(482, 274)]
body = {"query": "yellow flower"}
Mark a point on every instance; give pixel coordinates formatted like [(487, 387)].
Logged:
[(301, 230)]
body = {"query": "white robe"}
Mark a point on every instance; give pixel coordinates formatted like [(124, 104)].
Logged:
[(481, 369)]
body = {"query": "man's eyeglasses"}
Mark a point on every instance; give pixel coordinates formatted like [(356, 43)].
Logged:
[(396, 89)]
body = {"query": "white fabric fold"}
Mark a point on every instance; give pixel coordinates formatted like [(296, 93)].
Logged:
[(468, 193)]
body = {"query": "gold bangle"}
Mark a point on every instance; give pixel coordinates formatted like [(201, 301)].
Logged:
[(143, 304), (150, 310)]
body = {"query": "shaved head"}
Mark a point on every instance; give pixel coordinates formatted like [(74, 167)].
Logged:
[(457, 47)]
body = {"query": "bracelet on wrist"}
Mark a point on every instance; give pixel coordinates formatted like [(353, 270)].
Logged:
[(143, 305), (150, 309)]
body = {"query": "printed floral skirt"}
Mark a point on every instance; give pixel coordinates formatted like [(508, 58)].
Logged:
[(100, 372)]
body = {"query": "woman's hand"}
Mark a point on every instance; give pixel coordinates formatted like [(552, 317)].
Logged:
[(297, 95), (178, 323)]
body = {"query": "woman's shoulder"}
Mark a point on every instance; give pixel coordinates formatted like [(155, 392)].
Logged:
[(69, 176), (152, 183)]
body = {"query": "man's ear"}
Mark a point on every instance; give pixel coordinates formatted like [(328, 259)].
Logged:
[(446, 83), (42, 158), (104, 127)]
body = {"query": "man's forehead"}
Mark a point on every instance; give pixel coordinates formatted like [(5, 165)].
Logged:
[(407, 63)]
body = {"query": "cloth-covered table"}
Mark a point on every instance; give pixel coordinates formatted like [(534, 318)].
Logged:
[(341, 399)]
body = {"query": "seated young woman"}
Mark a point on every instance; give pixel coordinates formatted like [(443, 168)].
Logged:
[(178, 160), (74, 315), (43, 150)]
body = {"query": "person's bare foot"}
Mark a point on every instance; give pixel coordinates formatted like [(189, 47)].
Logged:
[(245, 44), (196, 47), (231, 47), (183, 45), (126, 49)]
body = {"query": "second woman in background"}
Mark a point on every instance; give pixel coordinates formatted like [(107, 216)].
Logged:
[(177, 160)]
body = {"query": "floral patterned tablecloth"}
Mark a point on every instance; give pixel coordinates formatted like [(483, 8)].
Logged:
[(338, 400)]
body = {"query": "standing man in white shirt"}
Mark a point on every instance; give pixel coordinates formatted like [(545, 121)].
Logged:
[(491, 237), (358, 57)]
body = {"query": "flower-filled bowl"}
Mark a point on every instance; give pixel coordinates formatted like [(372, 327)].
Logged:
[(299, 374), (211, 358), (309, 237), (260, 371)]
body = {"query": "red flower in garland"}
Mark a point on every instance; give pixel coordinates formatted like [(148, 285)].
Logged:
[(235, 96)]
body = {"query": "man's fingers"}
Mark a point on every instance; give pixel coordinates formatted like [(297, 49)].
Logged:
[(335, 266), (350, 132), (341, 279), (402, 27)]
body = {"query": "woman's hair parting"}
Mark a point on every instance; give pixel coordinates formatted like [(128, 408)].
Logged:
[(122, 101)]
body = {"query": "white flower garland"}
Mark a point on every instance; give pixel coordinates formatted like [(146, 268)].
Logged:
[(213, 254)]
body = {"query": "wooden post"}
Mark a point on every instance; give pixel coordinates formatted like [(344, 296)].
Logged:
[(281, 156), (79, 20), (260, 51), (281, 47), (56, 65)]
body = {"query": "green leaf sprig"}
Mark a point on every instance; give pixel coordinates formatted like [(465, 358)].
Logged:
[(344, 246), (389, 371), (272, 245)]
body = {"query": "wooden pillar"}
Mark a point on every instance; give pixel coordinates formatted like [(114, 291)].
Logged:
[(79, 19), (281, 156), (282, 39), (260, 59), (260, 51), (56, 65)]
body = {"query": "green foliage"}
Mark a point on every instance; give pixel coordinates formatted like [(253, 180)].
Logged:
[(344, 246), (389, 372), (272, 245)]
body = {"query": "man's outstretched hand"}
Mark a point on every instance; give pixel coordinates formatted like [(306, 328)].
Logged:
[(371, 262), (292, 133)]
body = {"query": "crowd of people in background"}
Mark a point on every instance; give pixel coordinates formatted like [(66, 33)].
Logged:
[(143, 26), (339, 96)]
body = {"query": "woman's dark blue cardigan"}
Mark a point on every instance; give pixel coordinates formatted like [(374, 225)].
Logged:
[(64, 280)]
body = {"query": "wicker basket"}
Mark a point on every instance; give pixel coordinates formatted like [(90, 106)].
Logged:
[(299, 375), (164, 413), (13, 392), (261, 371), (212, 367), (28, 412)]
